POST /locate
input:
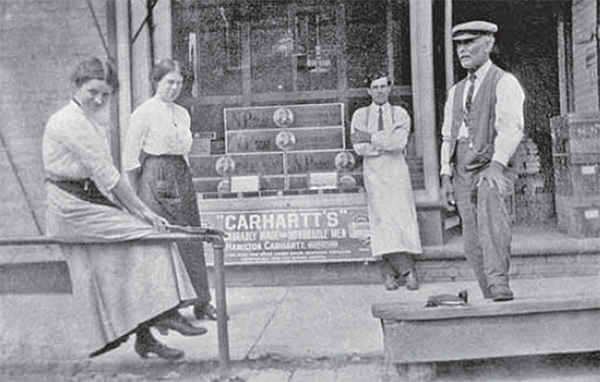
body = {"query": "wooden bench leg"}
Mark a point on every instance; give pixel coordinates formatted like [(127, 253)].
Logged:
[(416, 372)]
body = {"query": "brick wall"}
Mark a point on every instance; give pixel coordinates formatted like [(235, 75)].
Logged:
[(40, 43)]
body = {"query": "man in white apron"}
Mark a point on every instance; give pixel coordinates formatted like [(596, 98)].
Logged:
[(379, 133)]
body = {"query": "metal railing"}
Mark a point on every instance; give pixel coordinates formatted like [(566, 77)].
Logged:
[(209, 235)]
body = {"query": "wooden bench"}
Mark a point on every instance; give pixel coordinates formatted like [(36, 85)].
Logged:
[(415, 337), (212, 236)]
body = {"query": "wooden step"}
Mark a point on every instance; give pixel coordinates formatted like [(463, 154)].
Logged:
[(416, 337)]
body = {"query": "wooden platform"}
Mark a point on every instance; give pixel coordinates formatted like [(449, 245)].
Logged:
[(415, 337)]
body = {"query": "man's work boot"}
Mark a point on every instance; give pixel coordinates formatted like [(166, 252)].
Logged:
[(390, 282), (501, 293), (412, 282)]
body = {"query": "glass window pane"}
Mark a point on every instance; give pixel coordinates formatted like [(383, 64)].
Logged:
[(317, 67), (293, 46), (401, 32), (366, 39), (271, 47), (208, 39)]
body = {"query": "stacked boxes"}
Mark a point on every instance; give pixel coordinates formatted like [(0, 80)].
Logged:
[(533, 198), (576, 157), (280, 150)]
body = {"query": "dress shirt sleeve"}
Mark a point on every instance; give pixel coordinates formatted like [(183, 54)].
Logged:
[(134, 140), (395, 139), (509, 118), (359, 122), (445, 167)]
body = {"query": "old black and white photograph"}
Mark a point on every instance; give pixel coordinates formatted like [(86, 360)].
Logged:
[(300, 190)]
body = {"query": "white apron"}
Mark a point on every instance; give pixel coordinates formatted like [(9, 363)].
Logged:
[(392, 212)]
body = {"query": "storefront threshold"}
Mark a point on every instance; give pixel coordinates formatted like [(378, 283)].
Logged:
[(528, 240), (537, 251)]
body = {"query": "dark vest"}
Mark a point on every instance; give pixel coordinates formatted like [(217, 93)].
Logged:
[(480, 120)]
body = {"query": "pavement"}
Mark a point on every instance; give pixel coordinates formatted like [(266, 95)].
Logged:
[(316, 334)]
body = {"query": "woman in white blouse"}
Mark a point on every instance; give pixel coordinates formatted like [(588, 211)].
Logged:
[(155, 156), (127, 286)]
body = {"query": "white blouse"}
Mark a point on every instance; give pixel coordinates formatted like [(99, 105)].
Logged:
[(77, 147), (157, 128)]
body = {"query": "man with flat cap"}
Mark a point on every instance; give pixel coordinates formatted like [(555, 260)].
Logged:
[(483, 125)]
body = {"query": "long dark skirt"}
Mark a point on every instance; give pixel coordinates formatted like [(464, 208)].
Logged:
[(165, 185)]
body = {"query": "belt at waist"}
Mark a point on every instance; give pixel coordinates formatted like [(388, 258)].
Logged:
[(84, 189)]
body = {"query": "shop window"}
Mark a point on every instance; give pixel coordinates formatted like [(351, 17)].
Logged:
[(378, 37), (257, 47), (208, 40), (293, 47), (249, 59)]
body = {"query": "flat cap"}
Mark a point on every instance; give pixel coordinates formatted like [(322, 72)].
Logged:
[(472, 29)]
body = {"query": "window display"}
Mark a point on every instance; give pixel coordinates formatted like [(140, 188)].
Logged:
[(287, 148)]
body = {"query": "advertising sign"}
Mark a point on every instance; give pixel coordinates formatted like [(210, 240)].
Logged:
[(288, 116), (292, 236), (285, 140)]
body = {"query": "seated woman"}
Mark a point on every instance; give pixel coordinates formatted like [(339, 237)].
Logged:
[(129, 286)]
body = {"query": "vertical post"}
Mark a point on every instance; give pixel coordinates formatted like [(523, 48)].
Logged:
[(389, 40), (421, 52), (162, 37), (341, 60), (448, 48), (150, 14), (568, 36), (122, 29), (222, 333), (111, 34), (597, 34), (246, 63), (562, 61), (292, 12)]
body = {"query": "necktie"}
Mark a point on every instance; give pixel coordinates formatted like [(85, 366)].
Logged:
[(469, 101), (380, 120)]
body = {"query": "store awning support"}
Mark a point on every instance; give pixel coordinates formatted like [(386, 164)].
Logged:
[(449, 49), (150, 4), (98, 29)]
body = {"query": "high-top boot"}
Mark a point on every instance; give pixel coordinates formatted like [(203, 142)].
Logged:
[(145, 344)]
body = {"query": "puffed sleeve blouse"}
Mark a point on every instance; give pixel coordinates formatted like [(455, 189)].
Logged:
[(76, 147), (157, 128)]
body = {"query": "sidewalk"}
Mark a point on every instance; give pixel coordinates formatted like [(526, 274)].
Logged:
[(319, 334)]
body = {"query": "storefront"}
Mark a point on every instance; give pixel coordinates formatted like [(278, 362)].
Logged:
[(272, 92), (272, 88)]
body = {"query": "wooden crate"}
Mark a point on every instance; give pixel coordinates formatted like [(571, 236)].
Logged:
[(577, 175), (576, 133), (579, 217), (533, 209)]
